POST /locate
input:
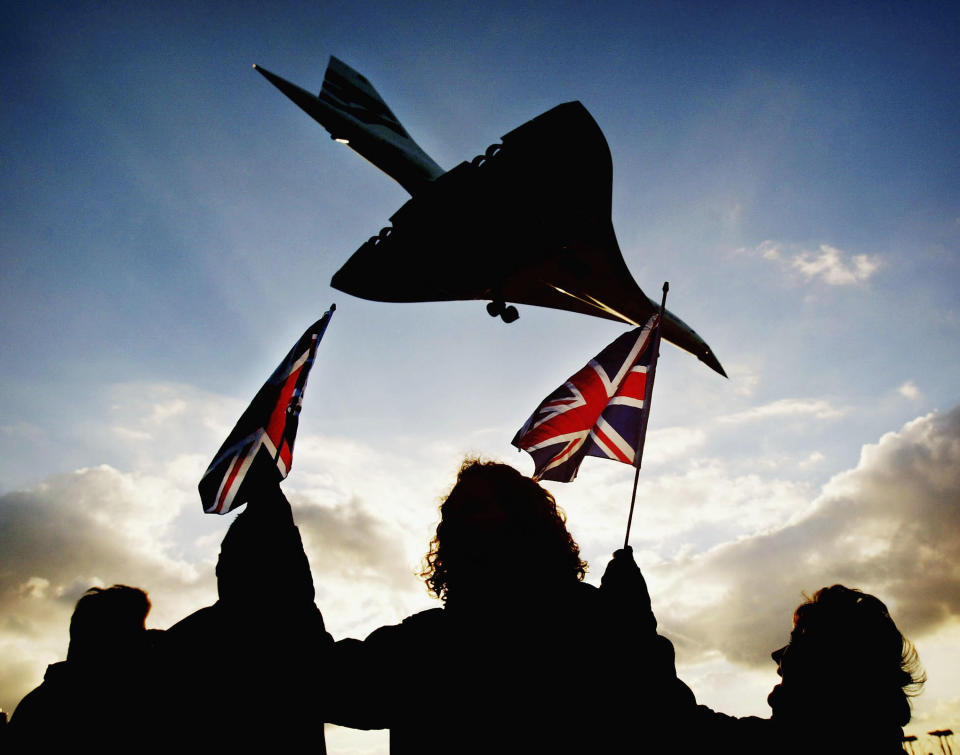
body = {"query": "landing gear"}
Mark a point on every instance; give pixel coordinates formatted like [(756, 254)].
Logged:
[(507, 313)]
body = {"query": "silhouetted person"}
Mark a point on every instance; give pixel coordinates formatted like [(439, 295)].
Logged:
[(235, 670), (523, 656), (104, 695), (846, 676), (847, 663)]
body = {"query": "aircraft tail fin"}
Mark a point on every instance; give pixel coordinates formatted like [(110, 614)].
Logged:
[(354, 113)]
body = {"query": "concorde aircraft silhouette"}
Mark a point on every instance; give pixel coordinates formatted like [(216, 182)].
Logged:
[(526, 222)]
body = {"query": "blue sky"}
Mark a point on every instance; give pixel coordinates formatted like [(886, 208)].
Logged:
[(170, 224)]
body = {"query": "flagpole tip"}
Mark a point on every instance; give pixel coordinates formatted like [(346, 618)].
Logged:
[(666, 286)]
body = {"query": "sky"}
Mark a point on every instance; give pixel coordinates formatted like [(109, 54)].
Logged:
[(169, 224)]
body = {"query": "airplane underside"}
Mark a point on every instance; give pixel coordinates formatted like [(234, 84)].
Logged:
[(527, 222)]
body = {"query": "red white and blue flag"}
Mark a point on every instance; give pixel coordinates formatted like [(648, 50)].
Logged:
[(602, 410), (259, 450)]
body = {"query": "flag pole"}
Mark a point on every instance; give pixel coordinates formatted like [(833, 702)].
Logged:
[(649, 392)]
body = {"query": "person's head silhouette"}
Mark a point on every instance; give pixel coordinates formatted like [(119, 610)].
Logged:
[(497, 522), (845, 652), (108, 623)]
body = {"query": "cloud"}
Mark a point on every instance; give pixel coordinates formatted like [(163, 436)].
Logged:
[(364, 555), (769, 250), (23, 430), (890, 526), (672, 443), (939, 705), (678, 514), (96, 526), (743, 379), (365, 517), (812, 460), (153, 415), (909, 390), (101, 526), (728, 555), (827, 263), (348, 542), (126, 433), (786, 407), (98, 517)]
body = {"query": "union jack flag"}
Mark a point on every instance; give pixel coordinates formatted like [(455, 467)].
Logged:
[(602, 410), (260, 448)]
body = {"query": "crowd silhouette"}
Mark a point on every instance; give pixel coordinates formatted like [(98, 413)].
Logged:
[(523, 655)]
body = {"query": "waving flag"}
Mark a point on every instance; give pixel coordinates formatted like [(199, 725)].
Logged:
[(260, 447), (602, 410)]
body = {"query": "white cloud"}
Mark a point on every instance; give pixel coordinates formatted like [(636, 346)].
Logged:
[(787, 407), (746, 380), (890, 526), (684, 512), (909, 390), (812, 460), (827, 263), (835, 267), (671, 443), (128, 434), (769, 250), (729, 687), (165, 410), (169, 416), (938, 706)]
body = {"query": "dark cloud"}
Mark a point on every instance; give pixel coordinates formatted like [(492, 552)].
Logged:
[(890, 526), (16, 679), (92, 523), (103, 526), (350, 543), (94, 526)]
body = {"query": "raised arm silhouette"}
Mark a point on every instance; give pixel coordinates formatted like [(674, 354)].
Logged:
[(236, 671)]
